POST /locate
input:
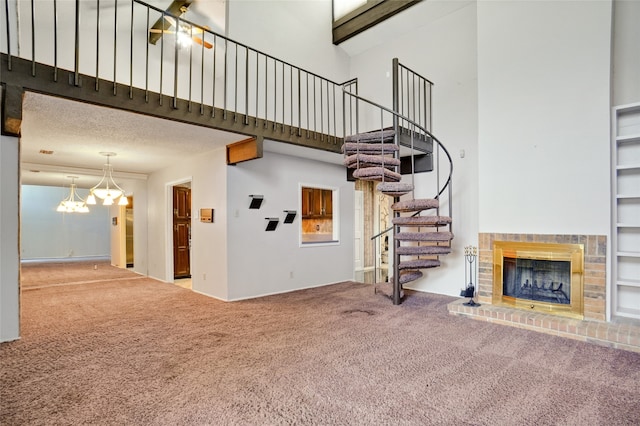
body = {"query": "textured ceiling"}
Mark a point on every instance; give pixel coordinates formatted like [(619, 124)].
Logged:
[(77, 132)]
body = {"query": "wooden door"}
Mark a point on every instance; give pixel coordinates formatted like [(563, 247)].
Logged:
[(181, 232)]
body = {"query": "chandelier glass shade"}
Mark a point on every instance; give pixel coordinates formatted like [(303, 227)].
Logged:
[(73, 203), (111, 191)]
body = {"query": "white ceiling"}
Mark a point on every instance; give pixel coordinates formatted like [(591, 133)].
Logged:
[(78, 132)]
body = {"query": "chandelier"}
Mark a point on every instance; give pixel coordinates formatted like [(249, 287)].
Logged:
[(70, 204), (111, 190)]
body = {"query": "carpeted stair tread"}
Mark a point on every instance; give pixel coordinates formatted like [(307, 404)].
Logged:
[(377, 174), (415, 205), (408, 275), (369, 148), (376, 136), (422, 250), (366, 160), (419, 264), (422, 220), (424, 236), (395, 189)]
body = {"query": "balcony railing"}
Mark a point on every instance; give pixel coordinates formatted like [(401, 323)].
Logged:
[(110, 43)]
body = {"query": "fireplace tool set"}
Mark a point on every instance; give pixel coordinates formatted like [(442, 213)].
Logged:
[(470, 255)]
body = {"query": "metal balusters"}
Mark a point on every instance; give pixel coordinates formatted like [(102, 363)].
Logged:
[(299, 105), (176, 48), (55, 40), (282, 124), (235, 87), (257, 85), (213, 79), (161, 58), (131, 54), (33, 39), (246, 86), (7, 26), (224, 89), (190, 68), (115, 45), (321, 105), (275, 90), (315, 135), (146, 64), (97, 81), (76, 73), (202, 75)]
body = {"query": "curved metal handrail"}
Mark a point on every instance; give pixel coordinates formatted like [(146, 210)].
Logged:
[(408, 120)]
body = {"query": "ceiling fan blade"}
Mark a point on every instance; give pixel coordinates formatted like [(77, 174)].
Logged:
[(176, 8), (158, 31), (202, 42)]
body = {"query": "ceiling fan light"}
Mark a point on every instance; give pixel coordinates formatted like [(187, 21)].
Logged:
[(183, 39), (124, 201), (108, 201), (91, 199)]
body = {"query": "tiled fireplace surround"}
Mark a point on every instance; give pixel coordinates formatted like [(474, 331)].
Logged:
[(594, 328)]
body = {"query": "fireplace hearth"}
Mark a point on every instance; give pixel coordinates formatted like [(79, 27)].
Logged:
[(592, 328)]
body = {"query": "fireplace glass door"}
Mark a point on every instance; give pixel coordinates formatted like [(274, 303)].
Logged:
[(547, 281)]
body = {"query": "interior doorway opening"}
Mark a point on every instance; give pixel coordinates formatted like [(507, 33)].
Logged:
[(372, 244), (128, 217)]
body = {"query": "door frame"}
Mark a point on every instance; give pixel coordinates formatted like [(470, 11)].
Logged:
[(169, 225)]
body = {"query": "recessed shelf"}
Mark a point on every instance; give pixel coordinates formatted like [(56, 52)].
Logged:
[(628, 254), (627, 196), (628, 312), (629, 167), (628, 225), (629, 283), (628, 139)]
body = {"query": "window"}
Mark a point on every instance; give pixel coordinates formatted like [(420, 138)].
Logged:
[(319, 218), (351, 17)]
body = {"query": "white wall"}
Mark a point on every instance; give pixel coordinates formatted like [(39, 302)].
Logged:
[(9, 239), (543, 104), (209, 240), (48, 234), (626, 53), (298, 32), (207, 174), (262, 262), (444, 51)]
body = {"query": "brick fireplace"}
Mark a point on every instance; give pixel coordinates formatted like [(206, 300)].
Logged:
[(594, 277), (593, 327)]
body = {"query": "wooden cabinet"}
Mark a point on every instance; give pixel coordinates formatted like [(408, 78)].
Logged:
[(626, 211), (317, 203)]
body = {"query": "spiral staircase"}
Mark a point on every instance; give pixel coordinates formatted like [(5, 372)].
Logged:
[(421, 230)]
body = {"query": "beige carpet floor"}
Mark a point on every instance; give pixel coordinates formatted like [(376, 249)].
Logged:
[(140, 352), (35, 275)]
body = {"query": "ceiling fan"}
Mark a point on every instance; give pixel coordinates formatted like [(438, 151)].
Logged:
[(168, 25)]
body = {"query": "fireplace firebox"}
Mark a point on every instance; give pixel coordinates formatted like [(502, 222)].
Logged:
[(545, 277)]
